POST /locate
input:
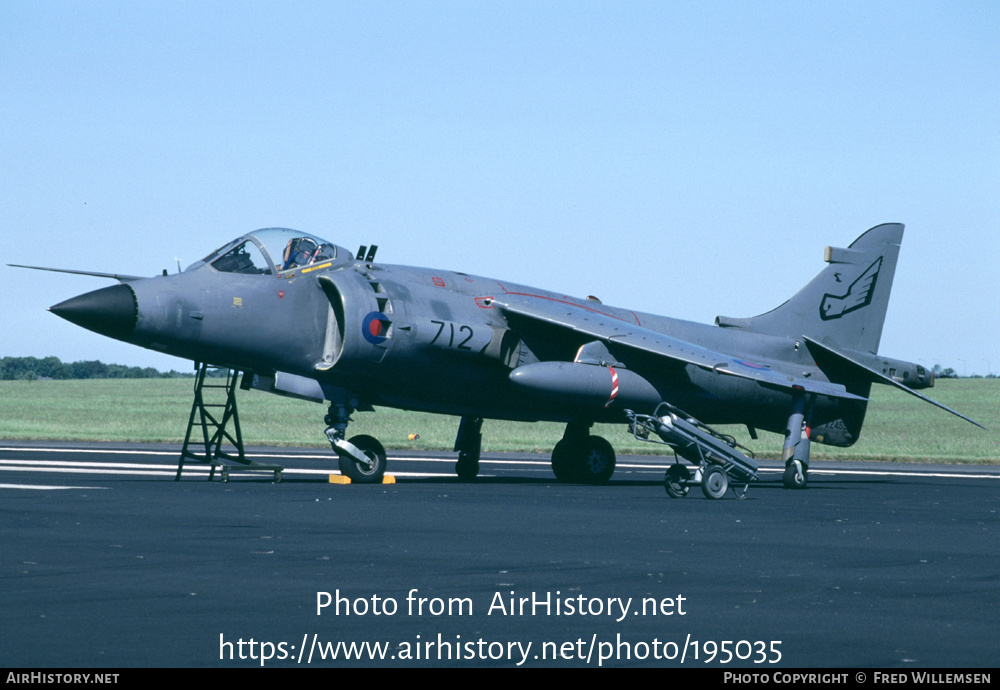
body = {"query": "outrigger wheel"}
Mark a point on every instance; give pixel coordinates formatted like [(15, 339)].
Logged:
[(796, 475)]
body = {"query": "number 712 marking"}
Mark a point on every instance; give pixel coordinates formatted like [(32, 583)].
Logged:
[(451, 335)]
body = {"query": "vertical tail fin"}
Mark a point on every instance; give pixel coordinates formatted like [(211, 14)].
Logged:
[(846, 303)]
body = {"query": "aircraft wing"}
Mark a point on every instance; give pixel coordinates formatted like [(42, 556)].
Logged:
[(615, 332)]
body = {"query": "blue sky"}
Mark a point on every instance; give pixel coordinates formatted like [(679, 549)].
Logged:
[(682, 158)]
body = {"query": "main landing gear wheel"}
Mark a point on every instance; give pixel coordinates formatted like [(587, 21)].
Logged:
[(598, 461), (370, 472), (590, 460), (468, 444), (675, 481), (562, 461), (715, 482), (796, 476), (467, 466)]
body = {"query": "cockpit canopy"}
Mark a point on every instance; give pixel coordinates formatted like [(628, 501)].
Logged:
[(275, 250)]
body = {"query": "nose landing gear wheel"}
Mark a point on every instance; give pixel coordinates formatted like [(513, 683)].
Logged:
[(372, 471)]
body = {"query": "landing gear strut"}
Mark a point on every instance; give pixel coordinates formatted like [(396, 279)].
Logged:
[(468, 443), (581, 457), (796, 450), (362, 458)]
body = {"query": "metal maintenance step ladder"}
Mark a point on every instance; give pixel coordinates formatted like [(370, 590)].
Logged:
[(205, 415), (720, 460)]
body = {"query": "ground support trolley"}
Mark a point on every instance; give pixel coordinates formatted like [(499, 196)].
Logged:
[(721, 462)]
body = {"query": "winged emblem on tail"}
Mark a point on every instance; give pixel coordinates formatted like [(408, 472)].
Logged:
[(858, 295)]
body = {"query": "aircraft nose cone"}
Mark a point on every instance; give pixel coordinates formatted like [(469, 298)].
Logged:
[(111, 311)]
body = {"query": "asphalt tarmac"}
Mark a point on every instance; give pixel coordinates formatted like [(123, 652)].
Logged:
[(106, 562)]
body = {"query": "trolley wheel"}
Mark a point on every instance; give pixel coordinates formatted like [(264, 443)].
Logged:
[(715, 483), (675, 481)]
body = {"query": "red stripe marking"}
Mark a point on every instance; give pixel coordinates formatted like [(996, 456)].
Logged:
[(569, 302), (614, 387)]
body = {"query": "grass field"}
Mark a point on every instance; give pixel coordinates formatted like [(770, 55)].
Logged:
[(898, 428)]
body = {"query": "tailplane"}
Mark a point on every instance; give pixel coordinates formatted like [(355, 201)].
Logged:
[(846, 303)]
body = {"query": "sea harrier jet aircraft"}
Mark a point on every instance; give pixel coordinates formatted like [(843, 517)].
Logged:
[(301, 316)]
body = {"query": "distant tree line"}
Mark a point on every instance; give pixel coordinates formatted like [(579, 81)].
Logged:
[(33, 368), (949, 373), (942, 373)]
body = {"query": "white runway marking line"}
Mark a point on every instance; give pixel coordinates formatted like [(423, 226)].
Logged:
[(77, 463), (237, 471), (23, 467), (904, 473), (162, 469), (44, 487)]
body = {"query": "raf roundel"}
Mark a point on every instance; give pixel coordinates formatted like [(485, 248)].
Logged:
[(374, 327)]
